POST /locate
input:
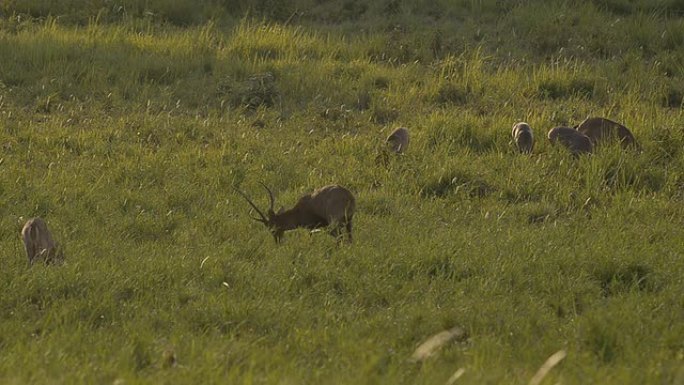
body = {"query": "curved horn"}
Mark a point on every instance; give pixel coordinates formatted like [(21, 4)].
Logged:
[(270, 196), (263, 217)]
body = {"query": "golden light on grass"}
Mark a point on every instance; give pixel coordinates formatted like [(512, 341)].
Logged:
[(93, 136)]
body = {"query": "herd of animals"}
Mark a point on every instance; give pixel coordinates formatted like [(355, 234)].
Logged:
[(333, 206)]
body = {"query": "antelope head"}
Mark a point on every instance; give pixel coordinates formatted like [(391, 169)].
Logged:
[(268, 220)]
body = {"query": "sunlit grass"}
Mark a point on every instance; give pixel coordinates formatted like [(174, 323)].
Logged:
[(128, 133)]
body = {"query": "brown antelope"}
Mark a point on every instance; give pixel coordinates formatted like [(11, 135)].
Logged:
[(330, 206), (398, 140), (573, 140), (39, 243), (523, 137), (601, 129)]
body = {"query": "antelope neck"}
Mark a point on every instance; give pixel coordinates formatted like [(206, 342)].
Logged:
[(287, 220)]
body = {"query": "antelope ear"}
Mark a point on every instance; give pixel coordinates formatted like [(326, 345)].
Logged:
[(281, 210)]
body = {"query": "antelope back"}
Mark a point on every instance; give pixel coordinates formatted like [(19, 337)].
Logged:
[(38, 242), (398, 140), (573, 140), (333, 202), (601, 129)]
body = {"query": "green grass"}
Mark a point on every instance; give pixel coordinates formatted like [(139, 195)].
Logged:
[(126, 126)]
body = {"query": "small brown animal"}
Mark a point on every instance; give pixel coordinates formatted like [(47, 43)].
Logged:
[(330, 206), (398, 140), (601, 129), (39, 243), (573, 140), (523, 137)]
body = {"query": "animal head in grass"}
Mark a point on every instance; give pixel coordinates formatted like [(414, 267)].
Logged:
[(523, 137)]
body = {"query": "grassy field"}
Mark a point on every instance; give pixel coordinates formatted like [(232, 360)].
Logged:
[(126, 124)]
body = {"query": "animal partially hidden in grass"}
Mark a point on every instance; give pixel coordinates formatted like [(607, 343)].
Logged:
[(398, 140), (330, 206), (39, 243), (523, 137), (573, 140), (600, 130)]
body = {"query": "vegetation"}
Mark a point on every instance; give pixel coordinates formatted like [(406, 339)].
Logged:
[(126, 124)]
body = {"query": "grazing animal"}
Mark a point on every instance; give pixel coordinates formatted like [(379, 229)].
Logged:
[(39, 243), (523, 137), (398, 140), (330, 206), (601, 129), (573, 140)]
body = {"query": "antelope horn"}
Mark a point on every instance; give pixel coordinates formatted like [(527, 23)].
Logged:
[(263, 217), (270, 195)]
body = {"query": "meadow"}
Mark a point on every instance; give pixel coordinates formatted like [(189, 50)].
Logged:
[(127, 124)]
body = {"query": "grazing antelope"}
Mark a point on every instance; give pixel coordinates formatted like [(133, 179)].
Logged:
[(573, 140), (39, 243), (331, 206), (601, 129), (523, 137), (398, 140)]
